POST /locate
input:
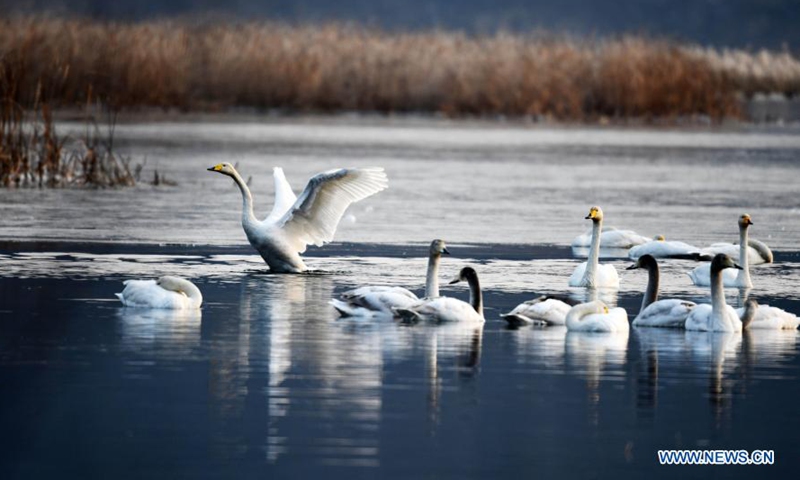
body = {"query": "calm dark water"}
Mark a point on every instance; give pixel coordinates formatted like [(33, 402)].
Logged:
[(266, 382)]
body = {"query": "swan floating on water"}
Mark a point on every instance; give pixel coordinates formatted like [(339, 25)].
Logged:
[(545, 310), (370, 300), (597, 317), (668, 313), (764, 317), (757, 251), (310, 219), (659, 247), (590, 273), (719, 316), (701, 275), (611, 237), (167, 292), (447, 309)]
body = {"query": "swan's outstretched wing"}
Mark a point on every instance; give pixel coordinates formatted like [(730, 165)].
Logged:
[(313, 218), (284, 196)]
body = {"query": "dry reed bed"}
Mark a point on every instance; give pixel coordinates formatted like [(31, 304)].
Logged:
[(332, 67)]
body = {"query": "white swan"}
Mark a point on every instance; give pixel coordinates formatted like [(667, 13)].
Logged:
[(310, 219), (166, 292), (371, 300), (668, 313), (447, 309), (544, 310), (757, 251), (590, 273), (764, 317), (719, 316), (701, 275), (659, 247), (611, 237), (597, 317)]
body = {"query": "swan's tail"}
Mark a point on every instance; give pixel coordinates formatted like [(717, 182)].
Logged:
[(121, 298), (515, 319), (345, 309), (407, 315)]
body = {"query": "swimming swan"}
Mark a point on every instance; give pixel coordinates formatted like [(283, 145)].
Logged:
[(544, 310), (668, 313), (448, 309), (310, 219), (597, 317), (371, 300), (719, 316), (591, 273), (659, 247), (757, 251), (611, 237), (701, 275), (764, 317), (166, 292)]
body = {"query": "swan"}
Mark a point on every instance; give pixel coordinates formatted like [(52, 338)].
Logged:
[(166, 292), (448, 309), (590, 273), (719, 316), (544, 310), (611, 238), (659, 247), (369, 300), (669, 313), (597, 317), (310, 219), (764, 317), (757, 251), (701, 275)]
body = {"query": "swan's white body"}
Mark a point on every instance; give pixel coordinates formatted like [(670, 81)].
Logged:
[(701, 275), (757, 252), (611, 238), (542, 310), (590, 273), (447, 309), (667, 313), (168, 293), (382, 300), (718, 316), (771, 318), (597, 317), (310, 219), (662, 249)]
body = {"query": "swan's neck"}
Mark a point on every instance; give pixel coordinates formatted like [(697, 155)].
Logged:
[(475, 294), (743, 278), (594, 252), (718, 304), (247, 200), (577, 312), (192, 292), (432, 277), (651, 294)]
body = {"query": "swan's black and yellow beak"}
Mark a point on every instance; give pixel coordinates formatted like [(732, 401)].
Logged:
[(215, 168), (737, 266), (588, 217), (633, 267), (445, 251), (455, 280)]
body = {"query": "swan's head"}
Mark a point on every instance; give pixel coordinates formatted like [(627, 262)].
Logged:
[(224, 168), (438, 247), (173, 284), (646, 261), (465, 275), (596, 306), (745, 221), (595, 214), (659, 238), (722, 261)]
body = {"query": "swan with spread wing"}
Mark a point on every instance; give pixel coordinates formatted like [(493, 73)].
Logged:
[(310, 219)]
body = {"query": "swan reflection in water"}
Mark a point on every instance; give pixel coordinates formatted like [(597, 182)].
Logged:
[(163, 334)]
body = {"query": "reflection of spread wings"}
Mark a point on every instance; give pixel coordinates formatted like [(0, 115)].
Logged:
[(313, 218)]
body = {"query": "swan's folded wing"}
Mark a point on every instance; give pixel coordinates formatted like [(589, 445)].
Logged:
[(284, 196), (313, 218)]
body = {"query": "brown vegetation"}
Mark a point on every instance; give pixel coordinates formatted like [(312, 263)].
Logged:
[(184, 65)]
